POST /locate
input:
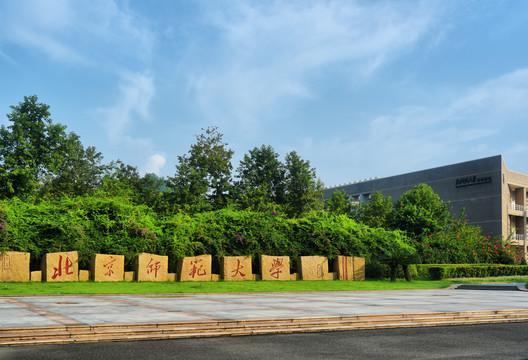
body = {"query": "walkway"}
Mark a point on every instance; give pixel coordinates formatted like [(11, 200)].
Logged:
[(27, 314)]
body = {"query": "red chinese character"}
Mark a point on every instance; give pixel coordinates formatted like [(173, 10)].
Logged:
[(153, 267), (197, 270), (57, 271), (109, 265), (275, 267), (237, 270)]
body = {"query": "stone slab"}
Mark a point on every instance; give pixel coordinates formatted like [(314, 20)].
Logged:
[(105, 267), (150, 267), (197, 268), (344, 267), (275, 268), (215, 277), (236, 268), (84, 275), (330, 276), (312, 267), (60, 267), (350, 268), (294, 277), (172, 277), (14, 266), (130, 275), (359, 269), (36, 276)]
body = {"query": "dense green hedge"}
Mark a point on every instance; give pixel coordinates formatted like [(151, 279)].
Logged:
[(443, 271), (92, 225), (110, 225)]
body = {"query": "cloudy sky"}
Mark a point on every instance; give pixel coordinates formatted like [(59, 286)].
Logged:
[(358, 88)]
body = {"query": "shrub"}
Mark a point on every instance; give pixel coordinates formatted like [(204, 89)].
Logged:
[(442, 271)]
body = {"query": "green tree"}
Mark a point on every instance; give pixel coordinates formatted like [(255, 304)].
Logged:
[(203, 175), (404, 256), (377, 212), (304, 192), (261, 175), (79, 173), (420, 211), (33, 150), (122, 180), (339, 203)]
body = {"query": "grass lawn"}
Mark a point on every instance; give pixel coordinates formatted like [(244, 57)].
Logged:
[(90, 287)]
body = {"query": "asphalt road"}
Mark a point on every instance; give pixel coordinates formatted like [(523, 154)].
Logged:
[(497, 341)]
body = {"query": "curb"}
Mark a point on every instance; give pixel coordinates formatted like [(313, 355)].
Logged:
[(198, 329)]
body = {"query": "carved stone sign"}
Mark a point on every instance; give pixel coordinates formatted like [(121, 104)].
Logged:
[(359, 269), (14, 266), (151, 267), (196, 268), (61, 266), (312, 267), (107, 267), (349, 268), (236, 268), (274, 267), (344, 267)]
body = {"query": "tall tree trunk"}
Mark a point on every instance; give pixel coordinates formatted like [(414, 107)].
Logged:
[(407, 273), (393, 272)]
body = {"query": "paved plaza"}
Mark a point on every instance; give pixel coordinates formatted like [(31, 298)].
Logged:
[(34, 311)]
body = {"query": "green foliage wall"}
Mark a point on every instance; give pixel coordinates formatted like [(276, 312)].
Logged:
[(92, 225)]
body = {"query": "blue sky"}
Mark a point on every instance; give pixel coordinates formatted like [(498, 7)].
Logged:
[(358, 88)]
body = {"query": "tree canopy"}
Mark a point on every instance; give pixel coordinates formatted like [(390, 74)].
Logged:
[(37, 155)]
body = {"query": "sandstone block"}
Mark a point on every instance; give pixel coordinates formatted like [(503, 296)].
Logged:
[(236, 268), (150, 267), (275, 267), (14, 266), (84, 275), (130, 275), (61, 266), (172, 277), (197, 268), (107, 267), (344, 267), (312, 267), (36, 276), (350, 268), (215, 277), (359, 269), (330, 276), (294, 277)]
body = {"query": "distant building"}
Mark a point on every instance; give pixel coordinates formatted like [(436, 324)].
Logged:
[(493, 197)]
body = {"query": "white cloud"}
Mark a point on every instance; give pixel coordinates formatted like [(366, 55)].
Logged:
[(89, 33), (267, 53), (154, 164), (136, 92)]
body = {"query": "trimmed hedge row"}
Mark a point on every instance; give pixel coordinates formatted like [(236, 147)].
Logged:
[(443, 271)]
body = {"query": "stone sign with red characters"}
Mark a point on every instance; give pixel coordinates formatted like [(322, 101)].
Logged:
[(61, 266), (107, 267), (150, 267), (197, 268), (274, 267), (236, 268)]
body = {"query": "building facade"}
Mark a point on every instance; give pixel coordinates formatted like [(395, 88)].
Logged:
[(491, 196)]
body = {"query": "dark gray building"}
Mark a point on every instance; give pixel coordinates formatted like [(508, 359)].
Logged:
[(493, 197)]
